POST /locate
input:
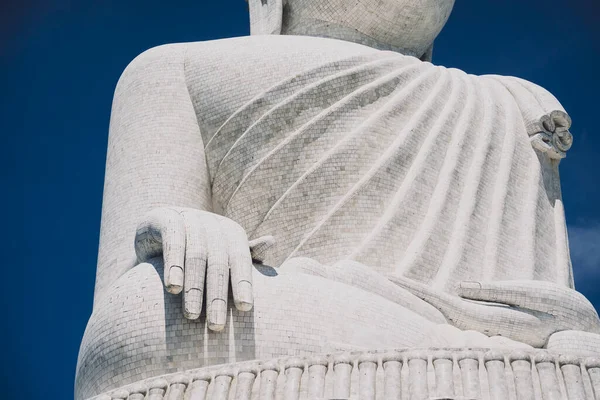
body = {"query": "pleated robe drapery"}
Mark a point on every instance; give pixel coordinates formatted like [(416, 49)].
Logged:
[(407, 167)]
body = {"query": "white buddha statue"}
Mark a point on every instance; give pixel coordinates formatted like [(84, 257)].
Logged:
[(320, 186)]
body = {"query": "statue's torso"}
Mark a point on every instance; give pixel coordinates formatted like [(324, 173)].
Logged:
[(342, 151), (339, 151)]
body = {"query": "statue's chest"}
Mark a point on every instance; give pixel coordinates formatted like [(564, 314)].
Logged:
[(304, 122)]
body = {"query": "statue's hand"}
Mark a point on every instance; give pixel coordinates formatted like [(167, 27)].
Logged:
[(525, 311), (201, 250)]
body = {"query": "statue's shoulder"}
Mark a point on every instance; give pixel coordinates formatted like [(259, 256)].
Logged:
[(522, 88), (224, 75), (261, 58), (544, 118), (273, 52)]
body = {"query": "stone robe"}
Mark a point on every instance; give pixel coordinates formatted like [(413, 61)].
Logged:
[(407, 167)]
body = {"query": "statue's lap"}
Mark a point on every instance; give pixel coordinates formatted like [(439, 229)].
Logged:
[(138, 329)]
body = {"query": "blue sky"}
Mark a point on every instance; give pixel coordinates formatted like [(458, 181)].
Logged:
[(59, 63)]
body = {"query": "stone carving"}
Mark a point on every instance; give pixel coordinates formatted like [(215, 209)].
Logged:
[(554, 138), (404, 374), (319, 187), (546, 123)]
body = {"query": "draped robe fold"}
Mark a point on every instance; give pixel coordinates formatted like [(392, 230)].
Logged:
[(407, 167)]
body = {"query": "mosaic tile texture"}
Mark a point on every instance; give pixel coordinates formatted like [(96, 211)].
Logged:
[(320, 187)]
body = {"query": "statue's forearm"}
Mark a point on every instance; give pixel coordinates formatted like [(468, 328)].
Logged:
[(155, 155)]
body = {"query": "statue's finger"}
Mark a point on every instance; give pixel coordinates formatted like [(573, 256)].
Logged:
[(166, 227), (196, 254), (217, 275), (534, 295), (240, 267), (489, 291), (173, 238), (148, 240)]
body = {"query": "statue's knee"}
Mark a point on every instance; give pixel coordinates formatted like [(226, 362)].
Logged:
[(127, 321)]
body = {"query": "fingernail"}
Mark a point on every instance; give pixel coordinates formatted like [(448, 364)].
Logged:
[(470, 285), (245, 296), (217, 315), (175, 279), (192, 303)]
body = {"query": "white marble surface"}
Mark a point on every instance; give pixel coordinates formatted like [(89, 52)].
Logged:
[(392, 203)]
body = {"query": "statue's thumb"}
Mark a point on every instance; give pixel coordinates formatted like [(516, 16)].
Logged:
[(260, 247)]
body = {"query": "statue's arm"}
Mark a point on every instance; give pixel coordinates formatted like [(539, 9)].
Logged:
[(157, 194), (155, 155)]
